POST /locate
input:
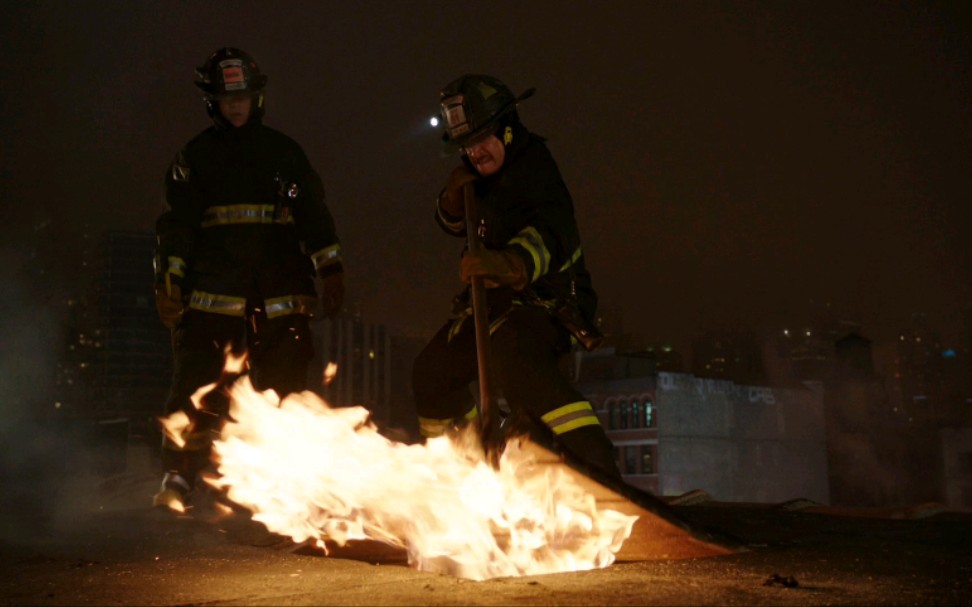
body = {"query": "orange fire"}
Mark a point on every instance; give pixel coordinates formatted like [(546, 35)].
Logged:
[(313, 472)]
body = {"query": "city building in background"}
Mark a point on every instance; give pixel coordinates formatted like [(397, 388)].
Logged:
[(675, 432), (373, 370), (824, 422), (362, 353), (133, 367), (732, 354), (114, 365)]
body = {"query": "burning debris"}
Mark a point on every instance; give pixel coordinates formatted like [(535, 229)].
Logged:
[(314, 473)]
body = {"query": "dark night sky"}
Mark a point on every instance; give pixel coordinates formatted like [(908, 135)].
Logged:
[(729, 161)]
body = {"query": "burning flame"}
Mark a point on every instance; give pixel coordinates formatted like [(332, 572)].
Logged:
[(329, 372), (312, 472)]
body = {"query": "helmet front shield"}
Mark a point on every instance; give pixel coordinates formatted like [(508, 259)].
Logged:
[(473, 107)]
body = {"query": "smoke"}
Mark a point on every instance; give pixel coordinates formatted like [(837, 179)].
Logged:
[(39, 434)]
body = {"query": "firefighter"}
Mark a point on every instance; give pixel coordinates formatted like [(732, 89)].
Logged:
[(244, 233), (540, 299)]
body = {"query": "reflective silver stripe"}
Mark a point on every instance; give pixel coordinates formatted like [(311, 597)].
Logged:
[(573, 259), (236, 306), (241, 214), (570, 417), (218, 304), (530, 239), (177, 266), (291, 304), (326, 256)]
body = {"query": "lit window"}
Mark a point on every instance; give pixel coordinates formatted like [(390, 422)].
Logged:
[(635, 415), (647, 459), (649, 414)]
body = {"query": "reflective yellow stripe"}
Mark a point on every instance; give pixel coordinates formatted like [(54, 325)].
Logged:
[(457, 323), (570, 417), (590, 420), (219, 304), (493, 326), (430, 427), (241, 214), (530, 239), (177, 266), (573, 259), (326, 256), (582, 405)]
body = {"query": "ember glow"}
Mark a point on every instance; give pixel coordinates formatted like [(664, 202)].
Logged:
[(313, 472)]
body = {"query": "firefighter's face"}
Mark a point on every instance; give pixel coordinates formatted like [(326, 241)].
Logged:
[(486, 155), (236, 109)]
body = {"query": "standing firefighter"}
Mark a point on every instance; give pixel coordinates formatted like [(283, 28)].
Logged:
[(539, 294), (244, 233)]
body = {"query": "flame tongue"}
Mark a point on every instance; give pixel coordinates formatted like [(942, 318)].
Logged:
[(310, 471)]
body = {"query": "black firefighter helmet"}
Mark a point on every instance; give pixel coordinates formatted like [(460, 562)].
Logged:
[(227, 72), (474, 106)]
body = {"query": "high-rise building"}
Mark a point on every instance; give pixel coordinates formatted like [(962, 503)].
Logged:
[(807, 343), (361, 351), (373, 370), (919, 368), (133, 365), (728, 354)]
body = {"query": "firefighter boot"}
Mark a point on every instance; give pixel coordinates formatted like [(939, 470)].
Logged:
[(174, 493)]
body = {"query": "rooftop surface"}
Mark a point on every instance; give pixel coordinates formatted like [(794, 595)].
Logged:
[(115, 550)]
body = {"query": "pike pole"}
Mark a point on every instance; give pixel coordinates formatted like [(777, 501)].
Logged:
[(487, 403), (660, 531)]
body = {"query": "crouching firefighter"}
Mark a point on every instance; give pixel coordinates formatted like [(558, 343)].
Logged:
[(538, 290), (244, 234)]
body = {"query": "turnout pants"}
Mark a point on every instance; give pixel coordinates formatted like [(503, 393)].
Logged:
[(525, 346), (278, 350)]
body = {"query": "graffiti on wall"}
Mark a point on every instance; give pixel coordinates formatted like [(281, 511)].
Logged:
[(703, 387)]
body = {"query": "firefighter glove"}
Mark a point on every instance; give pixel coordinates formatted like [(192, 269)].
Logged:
[(169, 304), (496, 267), (451, 200), (332, 293)]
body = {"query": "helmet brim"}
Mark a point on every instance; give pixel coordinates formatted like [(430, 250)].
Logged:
[(467, 139)]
